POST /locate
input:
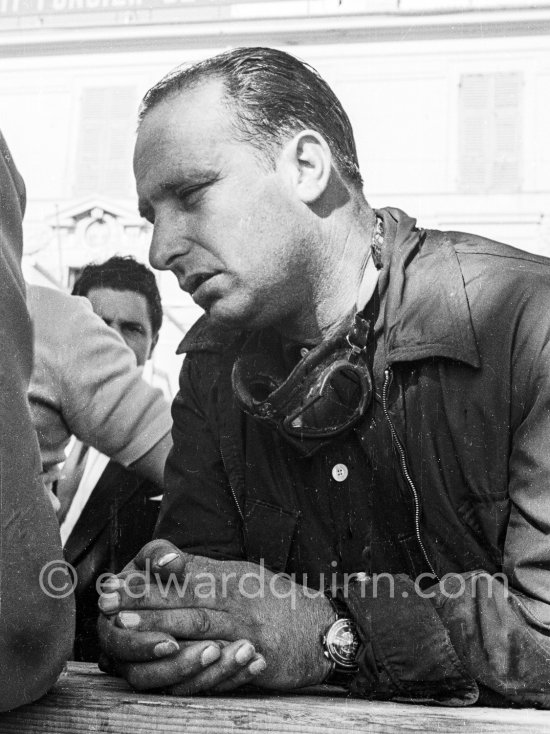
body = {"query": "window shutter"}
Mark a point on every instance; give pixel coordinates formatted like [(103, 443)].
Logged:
[(474, 131), (506, 162), (490, 133), (105, 143)]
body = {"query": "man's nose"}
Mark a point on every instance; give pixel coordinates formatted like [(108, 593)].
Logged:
[(119, 331), (167, 244)]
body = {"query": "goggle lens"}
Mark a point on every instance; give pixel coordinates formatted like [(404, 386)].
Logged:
[(334, 404)]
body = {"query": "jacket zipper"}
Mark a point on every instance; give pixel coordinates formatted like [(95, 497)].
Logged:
[(231, 485), (405, 468)]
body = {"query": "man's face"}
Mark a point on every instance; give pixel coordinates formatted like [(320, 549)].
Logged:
[(126, 312), (227, 226)]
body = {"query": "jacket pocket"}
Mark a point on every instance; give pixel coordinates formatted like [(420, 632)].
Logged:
[(269, 531)]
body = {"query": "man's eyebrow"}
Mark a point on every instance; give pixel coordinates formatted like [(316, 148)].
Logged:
[(199, 179)]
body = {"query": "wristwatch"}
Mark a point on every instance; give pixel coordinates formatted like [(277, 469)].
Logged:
[(340, 646)]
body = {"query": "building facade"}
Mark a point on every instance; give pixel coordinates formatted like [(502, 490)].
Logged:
[(450, 103)]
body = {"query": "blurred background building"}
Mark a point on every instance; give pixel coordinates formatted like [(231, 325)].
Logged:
[(450, 102)]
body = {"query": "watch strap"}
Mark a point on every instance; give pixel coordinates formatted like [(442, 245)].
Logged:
[(339, 674)]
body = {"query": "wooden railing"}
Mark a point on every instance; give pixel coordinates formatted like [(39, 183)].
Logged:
[(85, 700)]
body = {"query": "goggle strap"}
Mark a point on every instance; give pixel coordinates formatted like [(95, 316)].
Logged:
[(358, 336)]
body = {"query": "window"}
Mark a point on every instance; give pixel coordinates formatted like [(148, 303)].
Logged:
[(490, 133), (108, 117)]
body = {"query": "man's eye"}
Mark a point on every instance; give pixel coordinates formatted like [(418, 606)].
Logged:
[(189, 194)]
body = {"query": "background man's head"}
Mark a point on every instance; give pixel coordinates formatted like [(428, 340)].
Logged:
[(124, 293), (272, 95)]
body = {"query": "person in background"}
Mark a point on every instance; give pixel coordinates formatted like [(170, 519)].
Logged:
[(364, 409), (36, 622), (86, 383), (112, 511), (125, 294)]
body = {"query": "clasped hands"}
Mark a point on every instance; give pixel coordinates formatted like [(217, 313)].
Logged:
[(190, 624)]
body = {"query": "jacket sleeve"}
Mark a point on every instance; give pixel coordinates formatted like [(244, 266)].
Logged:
[(36, 613), (500, 625), (198, 512), (493, 629)]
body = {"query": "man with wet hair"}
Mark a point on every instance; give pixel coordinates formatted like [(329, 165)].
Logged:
[(360, 461)]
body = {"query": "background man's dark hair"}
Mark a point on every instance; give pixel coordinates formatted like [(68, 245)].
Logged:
[(273, 95), (123, 274)]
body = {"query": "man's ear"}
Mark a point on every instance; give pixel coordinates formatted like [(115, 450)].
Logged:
[(153, 345), (310, 161)]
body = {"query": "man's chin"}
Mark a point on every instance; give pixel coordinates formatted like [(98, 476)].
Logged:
[(220, 315)]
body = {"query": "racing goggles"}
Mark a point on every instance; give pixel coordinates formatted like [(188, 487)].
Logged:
[(327, 392)]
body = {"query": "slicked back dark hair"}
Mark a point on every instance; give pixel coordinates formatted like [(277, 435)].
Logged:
[(272, 95), (123, 274)]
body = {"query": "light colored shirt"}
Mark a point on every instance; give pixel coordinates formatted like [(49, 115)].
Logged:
[(85, 382)]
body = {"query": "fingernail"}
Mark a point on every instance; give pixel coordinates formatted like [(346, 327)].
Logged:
[(111, 584), (210, 654), (168, 558), (109, 602), (105, 665), (257, 666), (168, 647), (244, 653), (129, 620)]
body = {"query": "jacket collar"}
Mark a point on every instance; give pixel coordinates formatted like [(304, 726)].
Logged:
[(425, 307), (426, 312), (204, 337)]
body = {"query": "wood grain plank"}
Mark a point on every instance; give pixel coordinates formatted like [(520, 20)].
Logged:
[(85, 700)]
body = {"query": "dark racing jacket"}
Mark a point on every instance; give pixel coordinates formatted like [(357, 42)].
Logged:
[(456, 598)]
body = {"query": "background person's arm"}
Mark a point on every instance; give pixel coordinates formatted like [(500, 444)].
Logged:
[(36, 628), (151, 464), (106, 402), (86, 382)]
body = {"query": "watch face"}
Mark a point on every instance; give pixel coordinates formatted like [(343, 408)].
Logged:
[(342, 643)]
